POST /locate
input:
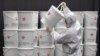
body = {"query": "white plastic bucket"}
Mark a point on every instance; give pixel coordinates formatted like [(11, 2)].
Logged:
[(61, 30), (27, 38), (45, 38), (49, 51), (58, 50), (42, 15), (90, 35), (8, 51), (91, 18), (26, 51), (10, 19), (10, 38), (36, 51), (90, 49), (28, 19), (82, 49), (79, 16), (52, 17), (61, 23)]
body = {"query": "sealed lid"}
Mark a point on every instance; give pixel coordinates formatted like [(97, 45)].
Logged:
[(10, 29), (90, 44), (11, 47), (25, 48), (90, 28)]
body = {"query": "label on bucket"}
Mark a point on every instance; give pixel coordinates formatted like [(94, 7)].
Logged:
[(28, 19), (26, 39), (90, 35), (11, 38), (10, 19), (45, 39), (10, 51), (46, 52), (26, 52)]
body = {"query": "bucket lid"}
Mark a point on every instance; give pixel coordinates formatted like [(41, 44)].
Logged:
[(11, 47), (47, 47), (90, 27), (25, 48), (10, 29), (25, 11), (26, 29), (90, 44)]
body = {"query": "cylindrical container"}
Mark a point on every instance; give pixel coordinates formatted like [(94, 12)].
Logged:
[(45, 38), (42, 15), (10, 37), (58, 50), (52, 17), (28, 19), (26, 51), (36, 51), (10, 19), (79, 16), (82, 49), (61, 23), (91, 18), (46, 51), (61, 30), (10, 51), (90, 49), (90, 35), (81, 34), (27, 38)]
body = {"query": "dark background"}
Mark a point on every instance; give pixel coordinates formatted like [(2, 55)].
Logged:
[(43, 5)]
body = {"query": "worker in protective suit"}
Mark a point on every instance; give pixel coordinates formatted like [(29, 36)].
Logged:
[(71, 39)]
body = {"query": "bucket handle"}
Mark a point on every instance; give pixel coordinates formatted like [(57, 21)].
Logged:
[(62, 5)]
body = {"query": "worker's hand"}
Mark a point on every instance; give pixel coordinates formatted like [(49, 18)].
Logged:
[(49, 29)]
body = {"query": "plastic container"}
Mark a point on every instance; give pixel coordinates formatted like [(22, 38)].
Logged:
[(45, 38), (79, 16), (26, 51), (28, 19), (90, 35), (42, 15), (10, 19), (61, 23), (58, 50), (82, 49), (10, 37), (90, 49), (10, 51), (27, 38), (91, 18), (52, 17), (46, 51)]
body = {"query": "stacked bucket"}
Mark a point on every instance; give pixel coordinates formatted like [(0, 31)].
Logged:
[(10, 33), (90, 30), (19, 33)]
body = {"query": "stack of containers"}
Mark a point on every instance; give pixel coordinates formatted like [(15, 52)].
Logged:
[(46, 42), (10, 33), (28, 22), (19, 34), (90, 31), (80, 17)]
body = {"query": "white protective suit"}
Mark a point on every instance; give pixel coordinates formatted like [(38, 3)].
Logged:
[(71, 39)]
